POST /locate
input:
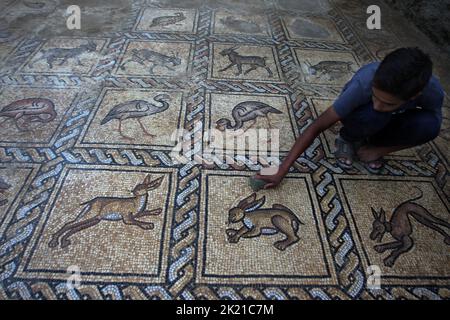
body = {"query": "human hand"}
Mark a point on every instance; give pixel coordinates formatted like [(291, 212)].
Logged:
[(271, 180)]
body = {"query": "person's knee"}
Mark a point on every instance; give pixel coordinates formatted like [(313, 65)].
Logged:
[(435, 132), (434, 127), (429, 128)]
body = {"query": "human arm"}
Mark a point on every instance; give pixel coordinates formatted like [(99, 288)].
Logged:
[(323, 122)]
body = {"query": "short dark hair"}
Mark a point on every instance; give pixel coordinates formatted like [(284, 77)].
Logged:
[(403, 73)]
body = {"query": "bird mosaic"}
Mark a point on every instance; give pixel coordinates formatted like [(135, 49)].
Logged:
[(245, 112), (24, 112), (136, 109), (164, 21)]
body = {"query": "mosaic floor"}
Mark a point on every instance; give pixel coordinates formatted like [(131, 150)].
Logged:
[(89, 189)]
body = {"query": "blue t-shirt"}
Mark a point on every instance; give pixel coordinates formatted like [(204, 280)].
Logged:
[(358, 92)]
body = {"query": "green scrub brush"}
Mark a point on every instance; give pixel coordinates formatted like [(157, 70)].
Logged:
[(256, 184)]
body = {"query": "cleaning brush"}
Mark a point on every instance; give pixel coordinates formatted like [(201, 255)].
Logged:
[(256, 184)]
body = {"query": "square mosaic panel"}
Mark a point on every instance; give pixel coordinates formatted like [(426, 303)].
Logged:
[(231, 22), (138, 117), (66, 56), (316, 7), (320, 67), (403, 231), (287, 244), (154, 58), (311, 27), (259, 62), (33, 115), (167, 20), (114, 226), (281, 118)]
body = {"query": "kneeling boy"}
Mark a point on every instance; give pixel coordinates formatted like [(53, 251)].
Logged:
[(385, 107)]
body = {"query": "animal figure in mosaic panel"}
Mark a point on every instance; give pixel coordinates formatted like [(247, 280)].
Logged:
[(238, 60), (331, 69), (64, 54), (241, 25), (26, 111), (3, 187), (128, 210), (156, 59), (136, 109), (244, 112), (164, 21), (268, 221), (400, 228), (34, 4)]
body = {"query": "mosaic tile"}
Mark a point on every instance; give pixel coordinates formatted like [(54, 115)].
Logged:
[(91, 223), (321, 67), (321, 6), (229, 22), (403, 231), (253, 62), (138, 117), (89, 181), (65, 56), (281, 117), (311, 27), (144, 58), (264, 256), (167, 20), (46, 110)]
